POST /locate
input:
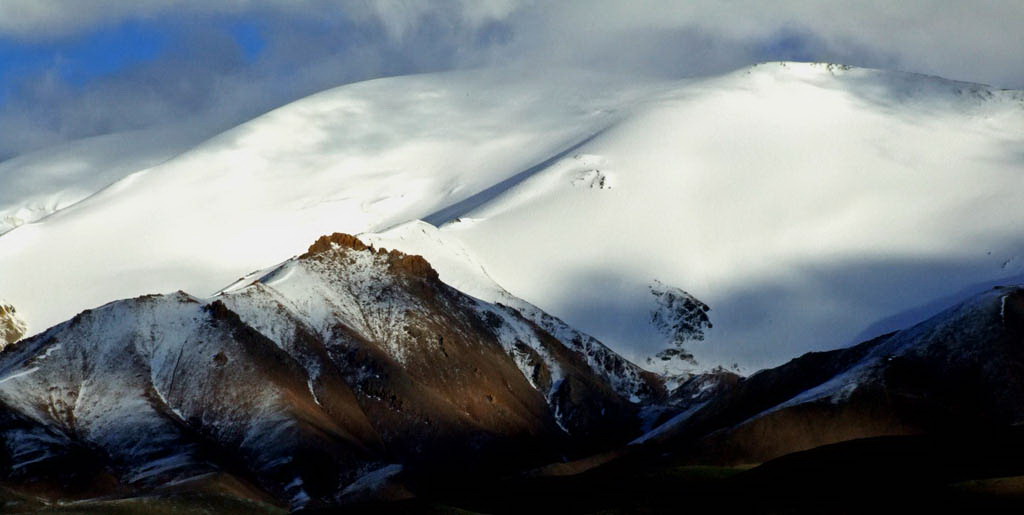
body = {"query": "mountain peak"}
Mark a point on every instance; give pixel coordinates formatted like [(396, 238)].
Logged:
[(892, 78), (807, 65), (334, 241), (396, 261)]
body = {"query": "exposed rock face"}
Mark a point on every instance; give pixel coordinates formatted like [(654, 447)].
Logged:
[(334, 241), (959, 371), (679, 316), (329, 367), (12, 328)]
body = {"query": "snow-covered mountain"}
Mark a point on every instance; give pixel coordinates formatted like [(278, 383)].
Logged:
[(750, 217), (305, 383)]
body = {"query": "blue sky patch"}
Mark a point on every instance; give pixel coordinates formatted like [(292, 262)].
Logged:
[(249, 36)]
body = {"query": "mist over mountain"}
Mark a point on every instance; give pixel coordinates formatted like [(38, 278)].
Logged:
[(331, 256), (801, 206)]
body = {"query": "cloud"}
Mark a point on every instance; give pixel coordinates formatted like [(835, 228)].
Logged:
[(211, 73), (209, 70), (975, 41)]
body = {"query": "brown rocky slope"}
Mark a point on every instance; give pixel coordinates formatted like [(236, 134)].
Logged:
[(301, 385)]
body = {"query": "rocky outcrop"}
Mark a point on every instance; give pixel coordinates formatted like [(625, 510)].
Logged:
[(681, 317), (12, 328), (334, 241)]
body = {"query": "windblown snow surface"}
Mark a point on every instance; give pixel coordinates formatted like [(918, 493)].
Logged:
[(39, 184), (809, 206)]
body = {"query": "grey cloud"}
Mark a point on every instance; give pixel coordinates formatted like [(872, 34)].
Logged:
[(975, 41), (206, 79), (316, 44), (978, 40)]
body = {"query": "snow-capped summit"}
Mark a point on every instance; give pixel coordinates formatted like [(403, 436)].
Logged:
[(808, 206)]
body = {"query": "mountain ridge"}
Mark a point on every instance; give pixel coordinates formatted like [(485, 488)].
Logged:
[(333, 365)]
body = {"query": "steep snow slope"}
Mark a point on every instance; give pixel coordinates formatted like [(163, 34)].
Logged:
[(799, 202), (41, 183), (361, 157)]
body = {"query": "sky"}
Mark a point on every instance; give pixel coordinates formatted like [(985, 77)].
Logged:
[(71, 69)]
